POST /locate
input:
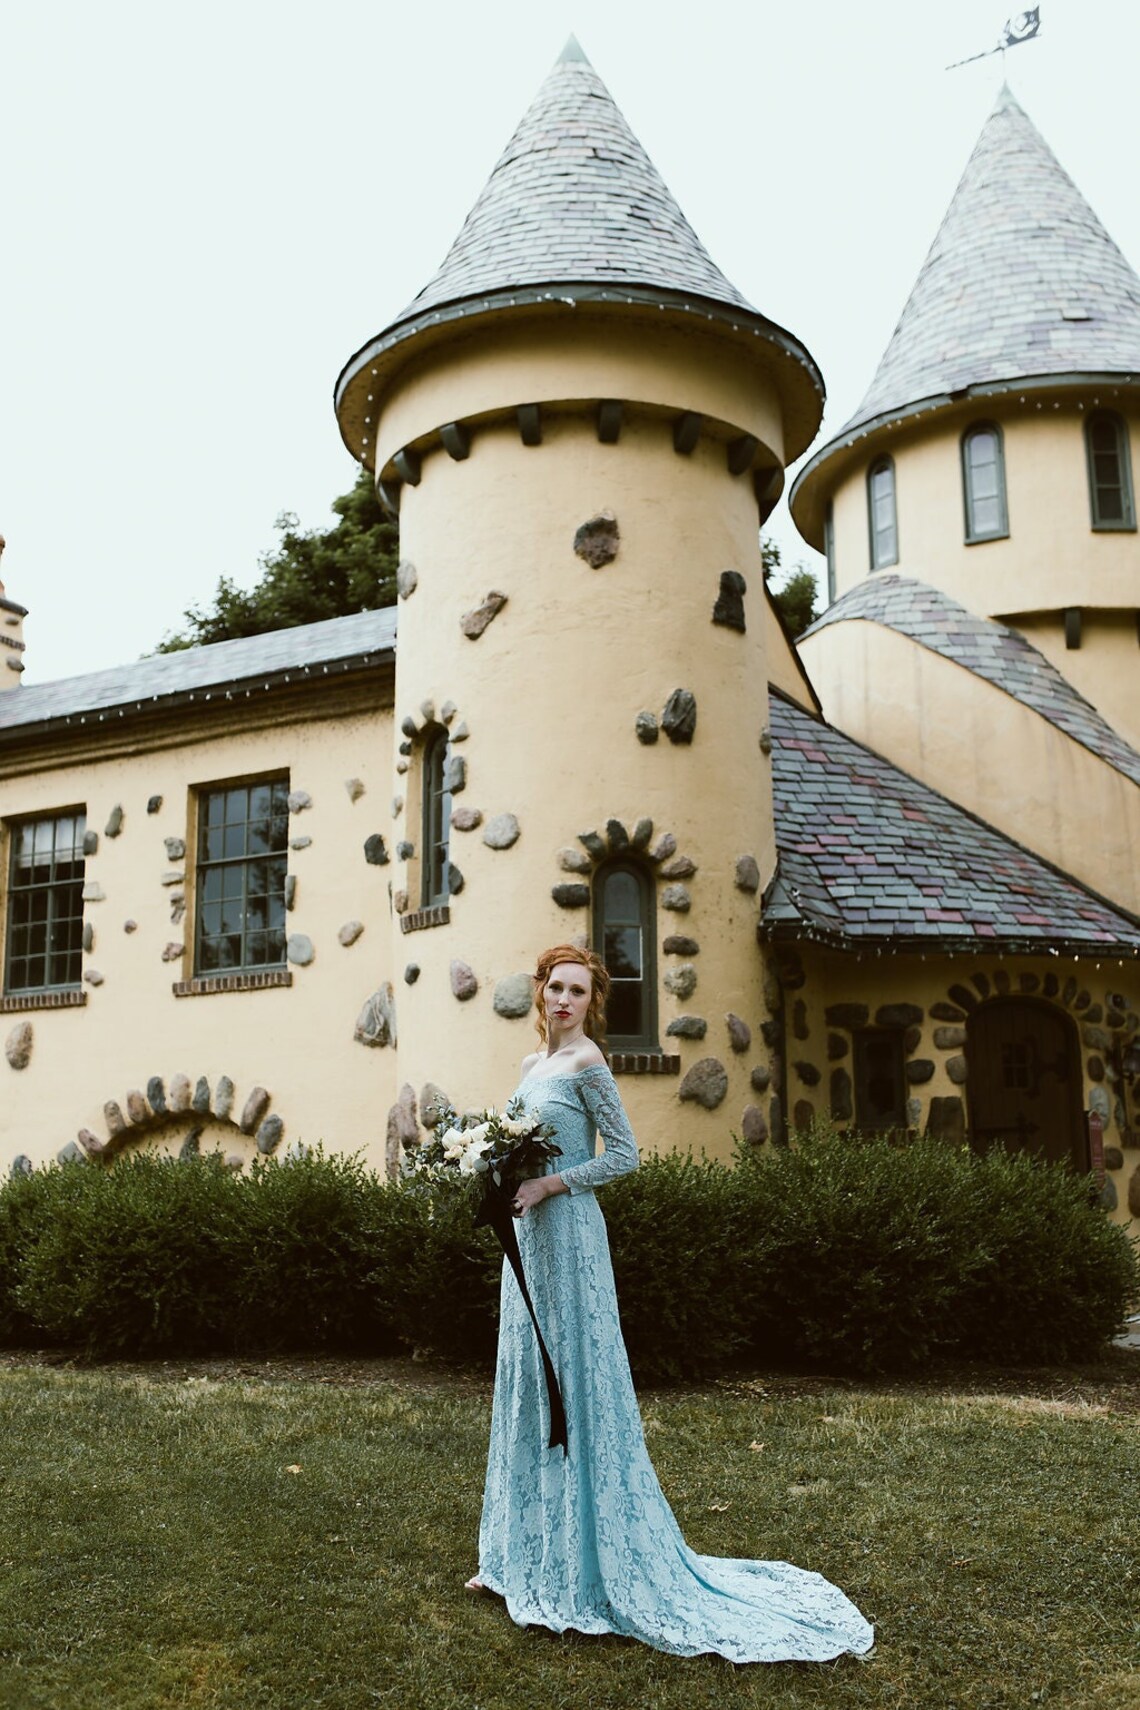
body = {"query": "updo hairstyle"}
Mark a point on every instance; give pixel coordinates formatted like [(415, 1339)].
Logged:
[(600, 987)]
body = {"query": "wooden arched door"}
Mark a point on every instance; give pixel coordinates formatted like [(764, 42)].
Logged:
[(1024, 1080)]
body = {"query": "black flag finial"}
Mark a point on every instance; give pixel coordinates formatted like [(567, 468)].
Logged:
[(1022, 27)]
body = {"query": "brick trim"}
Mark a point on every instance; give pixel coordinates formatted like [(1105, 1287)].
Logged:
[(645, 1063), (71, 998), (423, 917), (205, 985)]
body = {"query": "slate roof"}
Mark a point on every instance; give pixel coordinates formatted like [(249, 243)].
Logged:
[(987, 648), (870, 856), (313, 650), (1022, 279)]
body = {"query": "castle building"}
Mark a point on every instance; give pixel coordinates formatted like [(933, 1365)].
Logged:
[(289, 889)]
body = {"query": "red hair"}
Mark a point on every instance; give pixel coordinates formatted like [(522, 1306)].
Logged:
[(600, 987)]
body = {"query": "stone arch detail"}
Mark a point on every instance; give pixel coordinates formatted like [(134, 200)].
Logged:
[(140, 1113)]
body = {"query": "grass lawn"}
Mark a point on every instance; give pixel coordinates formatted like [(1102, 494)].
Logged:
[(297, 1536)]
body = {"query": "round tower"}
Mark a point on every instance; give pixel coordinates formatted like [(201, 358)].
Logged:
[(992, 457), (579, 420)]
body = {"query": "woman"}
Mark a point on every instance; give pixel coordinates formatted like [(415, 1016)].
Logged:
[(586, 1539)]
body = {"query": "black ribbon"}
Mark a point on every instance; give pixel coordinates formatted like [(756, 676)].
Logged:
[(496, 1210)]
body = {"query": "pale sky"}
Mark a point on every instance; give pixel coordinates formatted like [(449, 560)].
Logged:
[(206, 210)]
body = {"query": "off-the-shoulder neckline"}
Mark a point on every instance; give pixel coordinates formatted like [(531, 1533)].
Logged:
[(564, 1074)]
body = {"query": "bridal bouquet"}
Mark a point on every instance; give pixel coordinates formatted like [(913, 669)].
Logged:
[(501, 1147)]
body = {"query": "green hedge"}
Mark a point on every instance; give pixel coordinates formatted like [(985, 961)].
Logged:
[(857, 1254)]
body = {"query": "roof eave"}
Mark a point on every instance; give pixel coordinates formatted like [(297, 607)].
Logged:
[(828, 937)]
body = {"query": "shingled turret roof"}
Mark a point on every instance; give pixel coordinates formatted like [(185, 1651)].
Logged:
[(575, 211)]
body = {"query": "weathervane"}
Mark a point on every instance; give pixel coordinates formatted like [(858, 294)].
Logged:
[(1022, 27)]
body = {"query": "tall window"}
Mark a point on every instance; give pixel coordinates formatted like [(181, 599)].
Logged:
[(881, 513), (435, 888), (625, 930), (880, 1085), (983, 483), (243, 834), (45, 903), (829, 549), (1110, 472)]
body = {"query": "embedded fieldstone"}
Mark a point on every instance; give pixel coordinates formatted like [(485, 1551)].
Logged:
[(676, 944), (849, 1015), (461, 732), (753, 1128), (411, 973), (1108, 1199), (641, 833), (156, 1095), (688, 1027), (454, 774), (400, 901), (192, 1145), (179, 1093), (375, 852), (130, 926), (571, 896), (596, 542), (289, 891), (269, 1135), (665, 846), (947, 1012), (177, 907), (645, 724), (792, 972), (299, 800), (914, 1111), (837, 1047), (1099, 1102), (617, 837), (405, 747), (1134, 1192), (405, 850), (777, 1127), (18, 1045), (912, 1038), (175, 848), (676, 898), (200, 1102), (957, 1070), (376, 1023), (919, 1070), (224, 1098), (1118, 1113), (138, 1110), (464, 984), (254, 1110), (1114, 1019), (770, 1032), (574, 861), (433, 1103), (946, 1120), (981, 981), (299, 949), (682, 981), (501, 832), (466, 818), (21, 1165), (513, 996), (1050, 986), (448, 711), (807, 1072), (354, 788), (1096, 1038), (679, 720), (803, 1115), (1113, 1158), (739, 1033), (747, 875), (1002, 982), (898, 1015), (234, 1162), (350, 932), (1082, 1000), (963, 997), (839, 1093), (88, 939), (1069, 991), (761, 1078), (729, 607), (114, 822), (153, 804), (1094, 1013), (114, 1118), (72, 1153), (680, 867), (474, 622), (90, 842), (705, 1084), (90, 1144), (94, 892), (397, 806), (93, 976), (300, 842), (174, 951), (407, 578), (455, 880), (799, 1019), (1096, 1069), (949, 1038), (770, 985), (1030, 983)]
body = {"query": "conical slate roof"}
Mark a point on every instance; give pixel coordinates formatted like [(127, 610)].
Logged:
[(574, 197), (1022, 279)]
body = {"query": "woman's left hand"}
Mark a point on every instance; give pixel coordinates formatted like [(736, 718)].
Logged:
[(533, 1191)]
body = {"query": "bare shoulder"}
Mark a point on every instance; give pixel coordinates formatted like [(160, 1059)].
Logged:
[(587, 1056), (528, 1063)]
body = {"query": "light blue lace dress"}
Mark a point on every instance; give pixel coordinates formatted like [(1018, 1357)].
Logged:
[(586, 1539)]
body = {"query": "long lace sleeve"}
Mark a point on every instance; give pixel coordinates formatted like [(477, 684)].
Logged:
[(598, 1091)]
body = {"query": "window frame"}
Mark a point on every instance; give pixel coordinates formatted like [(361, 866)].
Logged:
[(53, 889), (1110, 525), (829, 548), (862, 1038), (882, 465), (435, 819), (204, 865), (647, 1038), (975, 536)]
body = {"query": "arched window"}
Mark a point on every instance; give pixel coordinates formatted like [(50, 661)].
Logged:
[(829, 549), (434, 886), (1110, 472), (983, 483), (881, 513), (625, 931)]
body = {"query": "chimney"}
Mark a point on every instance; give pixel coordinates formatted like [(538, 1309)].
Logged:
[(11, 637)]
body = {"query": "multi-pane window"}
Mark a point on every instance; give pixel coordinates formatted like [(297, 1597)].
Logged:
[(1110, 472), (435, 886), (829, 550), (880, 1085), (983, 483), (624, 930), (243, 834), (45, 903), (881, 513)]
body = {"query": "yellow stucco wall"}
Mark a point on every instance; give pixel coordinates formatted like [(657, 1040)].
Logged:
[(297, 1043), (1106, 666)]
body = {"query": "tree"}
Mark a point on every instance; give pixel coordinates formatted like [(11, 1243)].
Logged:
[(796, 594), (310, 575)]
